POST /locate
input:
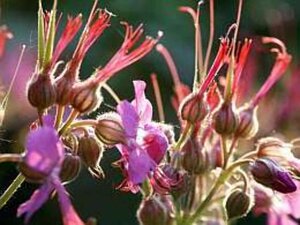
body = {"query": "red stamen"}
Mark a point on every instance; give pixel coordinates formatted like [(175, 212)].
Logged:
[(5, 34)]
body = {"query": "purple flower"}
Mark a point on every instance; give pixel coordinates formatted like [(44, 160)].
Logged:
[(145, 144), (44, 155)]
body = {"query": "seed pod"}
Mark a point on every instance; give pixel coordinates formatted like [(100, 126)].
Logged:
[(32, 175), (86, 96), (63, 88), (109, 129), (90, 151), (194, 158), (153, 211), (270, 174), (226, 119), (70, 168), (248, 124), (41, 92), (237, 204), (193, 109)]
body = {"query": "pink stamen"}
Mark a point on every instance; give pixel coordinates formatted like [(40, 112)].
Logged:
[(125, 56), (280, 66), (71, 29)]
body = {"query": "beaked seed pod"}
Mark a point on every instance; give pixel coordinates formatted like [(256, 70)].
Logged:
[(109, 129), (153, 211), (226, 119), (63, 88), (41, 92), (237, 204), (70, 168), (248, 124), (90, 151), (194, 159), (193, 108), (86, 96), (270, 174)]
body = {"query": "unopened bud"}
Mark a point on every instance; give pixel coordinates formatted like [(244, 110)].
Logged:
[(153, 211), (194, 157), (31, 175), (70, 168), (226, 119), (86, 96), (193, 108), (90, 151), (248, 124), (237, 204), (109, 129), (270, 174), (168, 130), (41, 92)]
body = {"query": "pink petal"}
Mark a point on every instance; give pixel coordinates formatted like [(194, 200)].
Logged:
[(70, 217), (129, 118), (139, 165), (142, 104), (44, 150), (37, 199)]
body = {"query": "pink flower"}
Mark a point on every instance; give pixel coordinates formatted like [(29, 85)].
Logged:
[(44, 155), (281, 209), (146, 144)]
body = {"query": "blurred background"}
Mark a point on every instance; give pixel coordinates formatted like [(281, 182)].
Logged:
[(99, 198)]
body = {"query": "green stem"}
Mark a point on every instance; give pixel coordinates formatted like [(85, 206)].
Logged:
[(60, 110), (13, 187), (69, 121), (10, 158), (225, 174), (183, 136)]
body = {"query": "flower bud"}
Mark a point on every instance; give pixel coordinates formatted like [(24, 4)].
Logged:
[(70, 168), (226, 119), (270, 174), (237, 204), (153, 211), (41, 92), (168, 180), (86, 96), (194, 157), (90, 151), (193, 109), (31, 175), (109, 129)]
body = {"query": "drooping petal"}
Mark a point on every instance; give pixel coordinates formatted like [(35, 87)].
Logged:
[(129, 118), (70, 217), (139, 166), (44, 150), (141, 103), (38, 198)]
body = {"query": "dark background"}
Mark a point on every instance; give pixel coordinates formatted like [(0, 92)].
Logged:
[(99, 198)]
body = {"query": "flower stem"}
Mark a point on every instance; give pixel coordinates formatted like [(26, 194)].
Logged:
[(183, 136), (225, 174), (10, 158), (59, 115), (69, 121), (13, 187)]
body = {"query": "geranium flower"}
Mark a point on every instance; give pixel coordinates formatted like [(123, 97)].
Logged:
[(44, 156), (281, 209), (145, 143)]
